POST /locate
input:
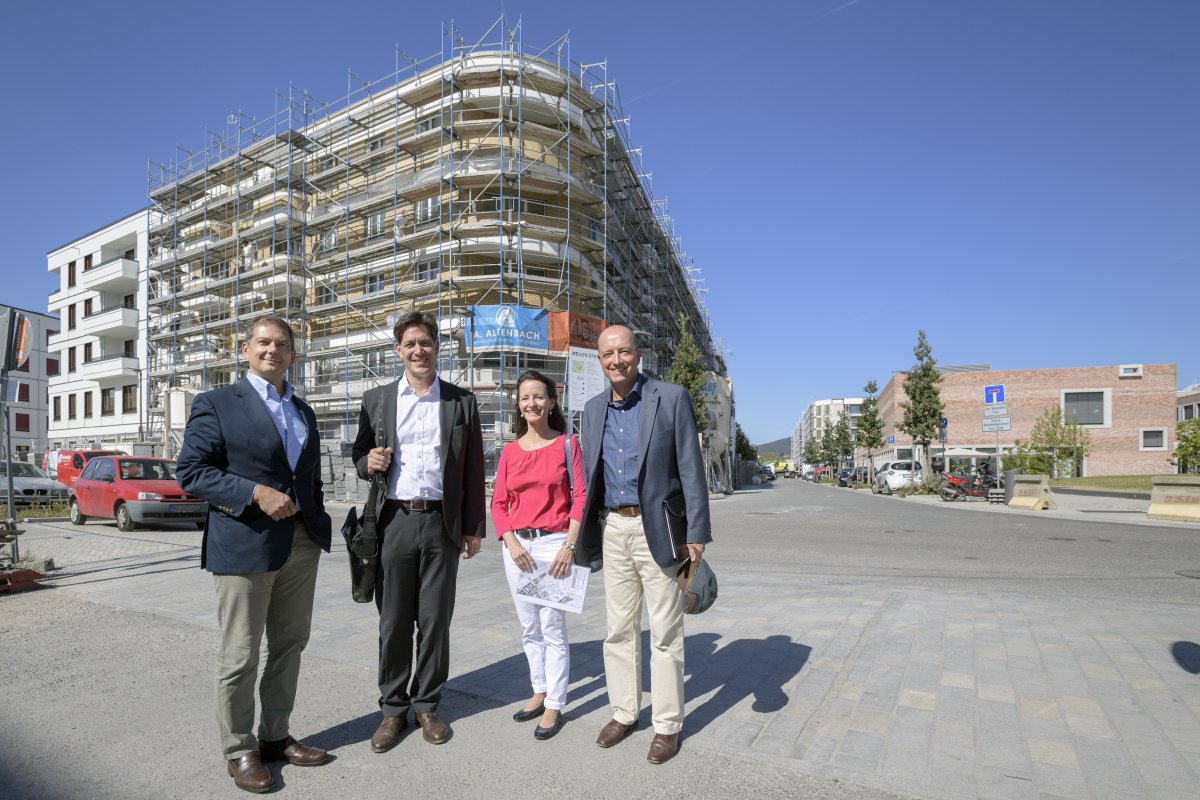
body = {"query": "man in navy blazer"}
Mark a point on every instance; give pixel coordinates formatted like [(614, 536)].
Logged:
[(641, 454), (252, 451)]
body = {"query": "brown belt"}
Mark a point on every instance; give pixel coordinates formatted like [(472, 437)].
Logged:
[(413, 505), (626, 511)]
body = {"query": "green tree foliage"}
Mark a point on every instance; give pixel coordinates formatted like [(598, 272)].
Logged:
[(828, 449), (1187, 446), (688, 371), (745, 450), (1055, 445), (923, 410), (843, 441), (812, 450), (870, 426)]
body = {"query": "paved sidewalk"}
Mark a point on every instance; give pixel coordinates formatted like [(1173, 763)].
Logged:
[(1069, 506), (922, 692)]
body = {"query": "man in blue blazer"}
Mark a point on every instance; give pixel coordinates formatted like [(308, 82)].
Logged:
[(252, 451), (641, 458)]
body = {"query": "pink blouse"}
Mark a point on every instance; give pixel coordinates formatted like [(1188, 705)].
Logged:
[(531, 488)]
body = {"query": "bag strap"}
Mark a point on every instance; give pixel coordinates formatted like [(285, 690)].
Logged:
[(378, 482), (570, 469)]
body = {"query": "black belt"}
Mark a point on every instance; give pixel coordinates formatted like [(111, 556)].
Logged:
[(625, 511), (533, 533), (413, 505)]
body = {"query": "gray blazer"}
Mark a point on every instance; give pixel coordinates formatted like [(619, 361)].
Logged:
[(670, 465), (461, 451)]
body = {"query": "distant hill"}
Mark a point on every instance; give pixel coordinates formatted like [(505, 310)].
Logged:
[(779, 447)]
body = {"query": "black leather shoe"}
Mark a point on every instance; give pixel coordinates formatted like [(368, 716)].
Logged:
[(548, 733), (525, 716)]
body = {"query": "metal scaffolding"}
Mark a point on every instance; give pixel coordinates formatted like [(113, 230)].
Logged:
[(484, 174)]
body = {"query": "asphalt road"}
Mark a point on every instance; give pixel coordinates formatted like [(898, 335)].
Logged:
[(805, 530)]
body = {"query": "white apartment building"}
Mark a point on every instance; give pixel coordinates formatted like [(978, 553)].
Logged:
[(821, 415), (97, 397), (28, 407)]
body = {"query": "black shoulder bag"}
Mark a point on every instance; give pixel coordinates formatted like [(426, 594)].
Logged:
[(360, 533)]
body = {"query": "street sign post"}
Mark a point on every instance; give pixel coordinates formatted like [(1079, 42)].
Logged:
[(993, 394), (995, 410)]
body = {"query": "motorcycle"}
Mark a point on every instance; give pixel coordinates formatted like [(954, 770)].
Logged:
[(958, 486)]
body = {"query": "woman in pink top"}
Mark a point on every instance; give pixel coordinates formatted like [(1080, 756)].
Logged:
[(537, 516)]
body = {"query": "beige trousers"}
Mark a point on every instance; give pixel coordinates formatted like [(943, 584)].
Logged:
[(249, 604), (631, 574)]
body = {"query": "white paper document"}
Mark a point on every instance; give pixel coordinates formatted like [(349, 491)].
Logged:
[(544, 589)]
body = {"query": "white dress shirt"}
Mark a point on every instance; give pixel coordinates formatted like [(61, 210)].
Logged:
[(416, 470)]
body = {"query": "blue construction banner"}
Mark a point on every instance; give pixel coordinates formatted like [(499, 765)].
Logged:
[(511, 328)]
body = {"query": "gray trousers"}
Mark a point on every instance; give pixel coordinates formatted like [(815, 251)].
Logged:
[(250, 604)]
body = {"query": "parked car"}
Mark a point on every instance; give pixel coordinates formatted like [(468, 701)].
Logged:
[(820, 474), (66, 465), (133, 491), (893, 475), (30, 486), (844, 477), (852, 476)]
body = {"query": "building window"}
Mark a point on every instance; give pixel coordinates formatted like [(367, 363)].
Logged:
[(129, 302), (325, 294), (57, 408), (108, 401), (87, 262), (376, 144), (87, 352), (595, 230), (70, 359), (375, 283), (1189, 412), (87, 404), (51, 366), (71, 406), (375, 225), (425, 210), (70, 274), (129, 399), (1153, 439), (87, 308), (70, 316), (1088, 407), (329, 239), (23, 393), (425, 272), (131, 254), (427, 124), (21, 422), (130, 350)]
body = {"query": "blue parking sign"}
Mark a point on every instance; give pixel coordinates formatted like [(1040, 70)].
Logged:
[(993, 394), (891, 440)]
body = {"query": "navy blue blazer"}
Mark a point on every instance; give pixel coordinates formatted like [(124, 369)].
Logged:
[(230, 445), (670, 465)]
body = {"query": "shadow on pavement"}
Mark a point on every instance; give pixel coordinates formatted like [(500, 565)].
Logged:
[(1187, 656), (758, 667)]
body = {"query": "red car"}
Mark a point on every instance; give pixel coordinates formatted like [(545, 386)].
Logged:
[(133, 491)]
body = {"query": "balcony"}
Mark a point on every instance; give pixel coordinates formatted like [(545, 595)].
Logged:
[(114, 369), (115, 321), (115, 275)]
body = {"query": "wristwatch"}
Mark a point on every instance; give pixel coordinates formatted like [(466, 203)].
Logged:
[(570, 546)]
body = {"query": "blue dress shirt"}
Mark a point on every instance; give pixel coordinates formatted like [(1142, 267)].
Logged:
[(619, 448), (287, 418)]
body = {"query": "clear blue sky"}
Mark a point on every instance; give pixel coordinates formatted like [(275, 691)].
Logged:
[(1021, 179)]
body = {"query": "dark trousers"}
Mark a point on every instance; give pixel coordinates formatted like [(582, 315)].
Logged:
[(414, 590)]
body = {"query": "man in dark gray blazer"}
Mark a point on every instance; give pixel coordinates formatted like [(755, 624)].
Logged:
[(641, 454), (424, 433), (252, 451)]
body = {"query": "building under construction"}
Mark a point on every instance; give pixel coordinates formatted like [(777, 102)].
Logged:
[(487, 175)]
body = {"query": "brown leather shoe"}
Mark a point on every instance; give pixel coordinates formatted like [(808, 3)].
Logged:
[(293, 752), (388, 733), (663, 748), (249, 773), (614, 732), (433, 729)]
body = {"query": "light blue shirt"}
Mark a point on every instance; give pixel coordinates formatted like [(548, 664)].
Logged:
[(619, 447), (287, 418)]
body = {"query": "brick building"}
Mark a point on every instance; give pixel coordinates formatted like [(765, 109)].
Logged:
[(1128, 410)]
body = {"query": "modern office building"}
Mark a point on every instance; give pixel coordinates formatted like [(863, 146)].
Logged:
[(1129, 411), (29, 399), (97, 398), (822, 415), (492, 184), (1187, 403)]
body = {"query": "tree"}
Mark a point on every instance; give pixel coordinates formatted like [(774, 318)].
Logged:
[(1187, 446), (923, 411), (1056, 444), (745, 450), (870, 426), (688, 371), (828, 447), (812, 450), (843, 441)]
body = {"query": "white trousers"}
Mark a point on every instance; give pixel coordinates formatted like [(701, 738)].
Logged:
[(543, 629), (631, 574)]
